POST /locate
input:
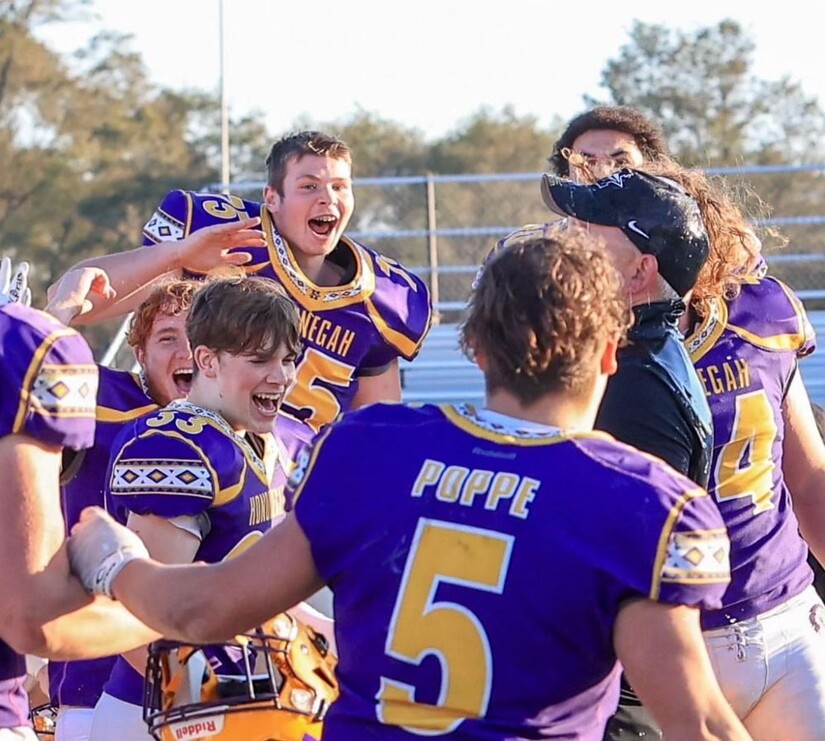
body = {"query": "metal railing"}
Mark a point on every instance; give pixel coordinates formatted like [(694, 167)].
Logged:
[(441, 374), (442, 226)]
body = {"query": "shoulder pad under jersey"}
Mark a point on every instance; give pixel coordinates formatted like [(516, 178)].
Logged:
[(400, 305), (768, 314)]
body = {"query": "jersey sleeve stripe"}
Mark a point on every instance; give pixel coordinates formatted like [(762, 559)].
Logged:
[(107, 414), (407, 347), (664, 538), (31, 374)]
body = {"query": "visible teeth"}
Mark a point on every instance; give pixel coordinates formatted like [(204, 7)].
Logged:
[(182, 372), (325, 218), (269, 396)]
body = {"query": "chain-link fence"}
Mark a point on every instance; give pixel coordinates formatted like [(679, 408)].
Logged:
[(442, 226)]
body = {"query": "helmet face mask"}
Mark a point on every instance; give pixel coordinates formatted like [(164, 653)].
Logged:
[(44, 721), (281, 690)]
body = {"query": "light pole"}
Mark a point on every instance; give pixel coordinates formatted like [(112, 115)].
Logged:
[(224, 107)]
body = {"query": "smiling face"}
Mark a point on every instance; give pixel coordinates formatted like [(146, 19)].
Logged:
[(315, 205), (166, 359), (246, 389)]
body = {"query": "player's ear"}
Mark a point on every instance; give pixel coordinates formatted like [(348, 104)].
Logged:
[(272, 199), (480, 359), (206, 360), (644, 279), (608, 364)]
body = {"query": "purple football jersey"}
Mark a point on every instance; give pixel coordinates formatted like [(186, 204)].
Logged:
[(745, 353), (121, 397), (477, 571), (383, 312), (49, 383), (187, 461)]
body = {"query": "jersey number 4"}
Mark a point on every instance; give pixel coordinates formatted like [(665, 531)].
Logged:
[(745, 465), (443, 553)]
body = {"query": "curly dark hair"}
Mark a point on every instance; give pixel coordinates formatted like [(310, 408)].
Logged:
[(648, 135), (542, 310), (734, 245)]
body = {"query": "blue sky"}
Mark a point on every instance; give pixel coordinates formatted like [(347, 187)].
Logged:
[(428, 64)]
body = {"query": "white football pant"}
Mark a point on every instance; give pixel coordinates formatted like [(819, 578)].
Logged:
[(116, 719), (73, 723), (772, 669)]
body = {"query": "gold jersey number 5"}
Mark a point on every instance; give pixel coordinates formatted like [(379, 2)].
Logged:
[(443, 552)]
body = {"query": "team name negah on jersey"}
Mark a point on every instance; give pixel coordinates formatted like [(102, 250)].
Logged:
[(326, 334), (726, 376), (468, 487)]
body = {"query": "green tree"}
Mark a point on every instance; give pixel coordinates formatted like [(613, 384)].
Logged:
[(88, 145), (700, 85)]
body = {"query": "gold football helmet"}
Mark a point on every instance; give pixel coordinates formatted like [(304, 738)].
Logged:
[(44, 721), (286, 685)]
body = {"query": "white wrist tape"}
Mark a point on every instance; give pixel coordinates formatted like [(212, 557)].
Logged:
[(111, 566)]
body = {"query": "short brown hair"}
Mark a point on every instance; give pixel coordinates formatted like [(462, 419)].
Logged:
[(170, 298), (241, 315), (542, 309), (299, 145), (647, 134)]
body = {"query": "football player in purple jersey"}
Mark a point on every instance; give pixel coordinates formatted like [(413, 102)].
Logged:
[(490, 566), (49, 383), (195, 478), (157, 335), (746, 334), (360, 311)]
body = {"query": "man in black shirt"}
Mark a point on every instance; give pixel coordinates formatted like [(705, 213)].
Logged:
[(655, 233), (655, 400)]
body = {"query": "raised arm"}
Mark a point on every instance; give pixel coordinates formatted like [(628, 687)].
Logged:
[(71, 295), (133, 272)]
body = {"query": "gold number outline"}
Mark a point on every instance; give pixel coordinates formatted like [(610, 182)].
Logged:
[(754, 428), (308, 394), (426, 564)]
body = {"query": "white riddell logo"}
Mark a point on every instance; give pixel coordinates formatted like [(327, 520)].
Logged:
[(634, 228)]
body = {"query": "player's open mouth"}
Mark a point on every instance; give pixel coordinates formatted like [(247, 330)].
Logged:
[(267, 403), (183, 380), (323, 225)]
